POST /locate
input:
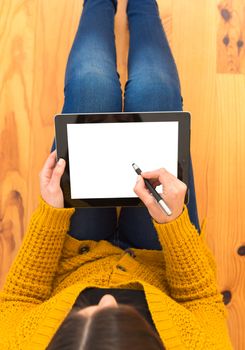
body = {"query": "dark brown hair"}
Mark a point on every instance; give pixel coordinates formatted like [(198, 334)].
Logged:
[(107, 329)]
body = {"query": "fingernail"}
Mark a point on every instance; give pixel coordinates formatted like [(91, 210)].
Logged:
[(61, 161)]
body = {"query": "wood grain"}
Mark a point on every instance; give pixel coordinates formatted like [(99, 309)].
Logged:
[(35, 39), (231, 37)]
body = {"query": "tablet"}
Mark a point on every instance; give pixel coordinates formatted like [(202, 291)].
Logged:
[(100, 149)]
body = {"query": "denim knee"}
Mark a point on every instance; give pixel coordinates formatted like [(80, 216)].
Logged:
[(153, 92), (92, 91)]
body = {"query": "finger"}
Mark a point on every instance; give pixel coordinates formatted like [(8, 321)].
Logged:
[(141, 190), (162, 176), (154, 174), (140, 185), (51, 159), (147, 198), (50, 162), (155, 183), (143, 193), (157, 174), (57, 173), (47, 169)]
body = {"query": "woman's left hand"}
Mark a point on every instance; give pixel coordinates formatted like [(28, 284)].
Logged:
[(50, 176)]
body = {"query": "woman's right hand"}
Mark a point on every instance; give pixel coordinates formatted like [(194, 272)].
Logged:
[(50, 176), (173, 193)]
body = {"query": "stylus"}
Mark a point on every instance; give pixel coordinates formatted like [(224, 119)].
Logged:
[(156, 195)]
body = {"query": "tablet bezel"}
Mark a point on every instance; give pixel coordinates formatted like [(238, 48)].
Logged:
[(61, 140)]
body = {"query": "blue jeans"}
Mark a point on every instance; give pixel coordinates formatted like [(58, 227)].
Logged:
[(92, 85)]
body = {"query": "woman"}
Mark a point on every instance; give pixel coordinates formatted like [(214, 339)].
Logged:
[(85, 280)]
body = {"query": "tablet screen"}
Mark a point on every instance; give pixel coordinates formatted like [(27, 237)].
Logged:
[(101, 156)]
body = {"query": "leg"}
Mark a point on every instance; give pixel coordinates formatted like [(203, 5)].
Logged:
[(153, 85), (92, 82), (92, 85)]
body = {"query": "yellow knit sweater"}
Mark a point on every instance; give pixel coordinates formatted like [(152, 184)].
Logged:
[(51, 270)]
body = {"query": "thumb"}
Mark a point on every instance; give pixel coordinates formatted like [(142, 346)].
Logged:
[(57, 173), (142, 191)]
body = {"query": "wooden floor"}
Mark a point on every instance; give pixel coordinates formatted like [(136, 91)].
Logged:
[(207, 39)]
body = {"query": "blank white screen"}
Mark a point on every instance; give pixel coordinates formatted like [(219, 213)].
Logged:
[(101, 156)]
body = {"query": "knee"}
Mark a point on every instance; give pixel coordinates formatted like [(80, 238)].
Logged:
[(93, 90), (153, 92), (92, 78)]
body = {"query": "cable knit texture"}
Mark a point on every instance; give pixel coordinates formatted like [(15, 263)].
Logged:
[(51, 270)]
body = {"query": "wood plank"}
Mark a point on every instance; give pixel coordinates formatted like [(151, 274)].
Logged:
[(194, 44), (227, 193), (17, 38)]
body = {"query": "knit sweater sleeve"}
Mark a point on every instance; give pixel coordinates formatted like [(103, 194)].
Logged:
[(31, 276), (190, 268), (191, 276)]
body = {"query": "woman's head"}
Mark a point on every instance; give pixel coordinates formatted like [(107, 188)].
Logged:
[(105, 326)]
